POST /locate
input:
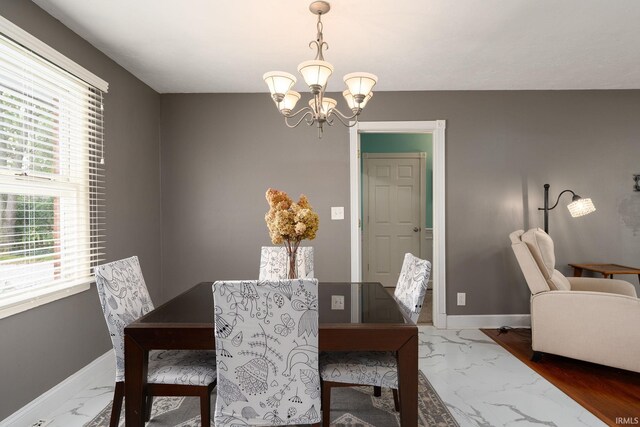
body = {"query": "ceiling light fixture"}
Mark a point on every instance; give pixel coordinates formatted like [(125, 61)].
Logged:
[(316, 74)]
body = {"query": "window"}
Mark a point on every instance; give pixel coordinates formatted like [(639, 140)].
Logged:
[(51, 179)]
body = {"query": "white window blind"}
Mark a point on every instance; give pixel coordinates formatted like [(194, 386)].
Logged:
[(51, 177)]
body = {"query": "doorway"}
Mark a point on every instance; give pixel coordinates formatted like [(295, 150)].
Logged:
[(393, 206), (436, 129)]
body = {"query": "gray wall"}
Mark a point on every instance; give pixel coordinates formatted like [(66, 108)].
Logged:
[(43, 346), (220, 152)]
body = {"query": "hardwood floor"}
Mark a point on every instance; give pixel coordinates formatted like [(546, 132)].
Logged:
[(611, 394)]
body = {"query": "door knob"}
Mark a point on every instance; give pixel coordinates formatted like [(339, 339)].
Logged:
[(416, 229)]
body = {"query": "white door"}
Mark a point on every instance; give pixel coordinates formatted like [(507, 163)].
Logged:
[(394, 206)]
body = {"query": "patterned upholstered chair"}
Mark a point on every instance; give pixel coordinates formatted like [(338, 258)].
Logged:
[(412, 285), (124, 298), (274, 264), (376, 368), (267, 348)]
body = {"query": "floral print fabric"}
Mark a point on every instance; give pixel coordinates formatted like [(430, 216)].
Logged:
[(377, 368), (412, 285), (267, 349), (124, 298), (274, 263)]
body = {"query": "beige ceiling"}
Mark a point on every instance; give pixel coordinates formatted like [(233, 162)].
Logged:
[(226, 46)]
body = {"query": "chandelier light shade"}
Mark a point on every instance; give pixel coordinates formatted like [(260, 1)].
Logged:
[(279, 83), (351, 102), (316, 74), (360, 84), (289, 102), (325, 108), (578, 206)]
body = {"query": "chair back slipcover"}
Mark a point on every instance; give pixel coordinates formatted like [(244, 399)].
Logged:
[(412, 285), (274, 263), (124, 298), (267, 350), (535, 253)]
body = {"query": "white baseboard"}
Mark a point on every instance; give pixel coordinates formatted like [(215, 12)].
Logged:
[(489, 321), (52, 399)]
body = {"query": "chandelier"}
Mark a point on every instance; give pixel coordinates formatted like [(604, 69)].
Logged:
[(316, 73)]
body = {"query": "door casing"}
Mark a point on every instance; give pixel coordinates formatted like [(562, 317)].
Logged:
[(437, 129)]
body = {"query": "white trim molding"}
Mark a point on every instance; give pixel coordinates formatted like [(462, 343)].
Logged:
[(52, 399), (437, 129), (489, 321), (40, 296), (42, 49)]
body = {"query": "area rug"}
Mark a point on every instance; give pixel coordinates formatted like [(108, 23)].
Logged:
[(611, 394), (350, 407)]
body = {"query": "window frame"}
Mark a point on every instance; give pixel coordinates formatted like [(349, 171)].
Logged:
[(38, 296)]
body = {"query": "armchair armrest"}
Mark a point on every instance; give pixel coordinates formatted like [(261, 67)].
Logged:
[(593, 326), (596, 284)]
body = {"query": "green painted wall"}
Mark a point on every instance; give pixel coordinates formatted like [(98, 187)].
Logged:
[(403, 143)]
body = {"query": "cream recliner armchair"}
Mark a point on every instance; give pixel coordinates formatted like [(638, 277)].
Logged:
[(592, 319)]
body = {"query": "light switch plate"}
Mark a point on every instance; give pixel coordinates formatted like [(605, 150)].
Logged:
[(337, 212)]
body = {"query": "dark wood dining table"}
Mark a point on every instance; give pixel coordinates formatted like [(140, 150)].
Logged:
[(371, 321)]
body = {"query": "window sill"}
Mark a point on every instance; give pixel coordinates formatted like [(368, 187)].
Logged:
[(40, 297)]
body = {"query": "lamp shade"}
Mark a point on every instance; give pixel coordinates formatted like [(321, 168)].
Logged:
[(351, 102), (279, 82), (315, 72), (581, 207), (360, 83), (289, 102), (349, 98), (327, 104), (366, 99)]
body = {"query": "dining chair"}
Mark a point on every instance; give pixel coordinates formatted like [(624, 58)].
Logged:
[(124, 298), (376, 368), (274, 263), (266, 336)]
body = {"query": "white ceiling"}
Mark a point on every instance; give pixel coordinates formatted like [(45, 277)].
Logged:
[(226, 46)]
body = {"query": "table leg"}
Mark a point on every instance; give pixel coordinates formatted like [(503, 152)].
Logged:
[(135, 382), (606, 276), (408, 382), (577, 272)]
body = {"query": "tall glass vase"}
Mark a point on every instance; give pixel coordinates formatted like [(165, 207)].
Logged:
[(293, 271), (292, 249)]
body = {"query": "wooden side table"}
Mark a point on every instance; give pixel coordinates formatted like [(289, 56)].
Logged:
[(607, 270)]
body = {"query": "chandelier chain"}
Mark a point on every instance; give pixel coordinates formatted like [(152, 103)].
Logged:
[(319, 42)]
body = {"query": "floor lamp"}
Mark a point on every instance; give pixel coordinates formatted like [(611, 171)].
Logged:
[(577, 207)]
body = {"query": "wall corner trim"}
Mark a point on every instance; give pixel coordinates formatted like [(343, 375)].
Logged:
[(43, 405), (489, 321)]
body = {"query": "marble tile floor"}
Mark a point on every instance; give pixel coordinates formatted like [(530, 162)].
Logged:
[(481, 383)]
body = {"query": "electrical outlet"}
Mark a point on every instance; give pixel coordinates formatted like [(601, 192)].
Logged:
[(337, 302), (41, 423), (462, 298)]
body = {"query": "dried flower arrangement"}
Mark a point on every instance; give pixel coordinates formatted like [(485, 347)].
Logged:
[(290, 223)]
